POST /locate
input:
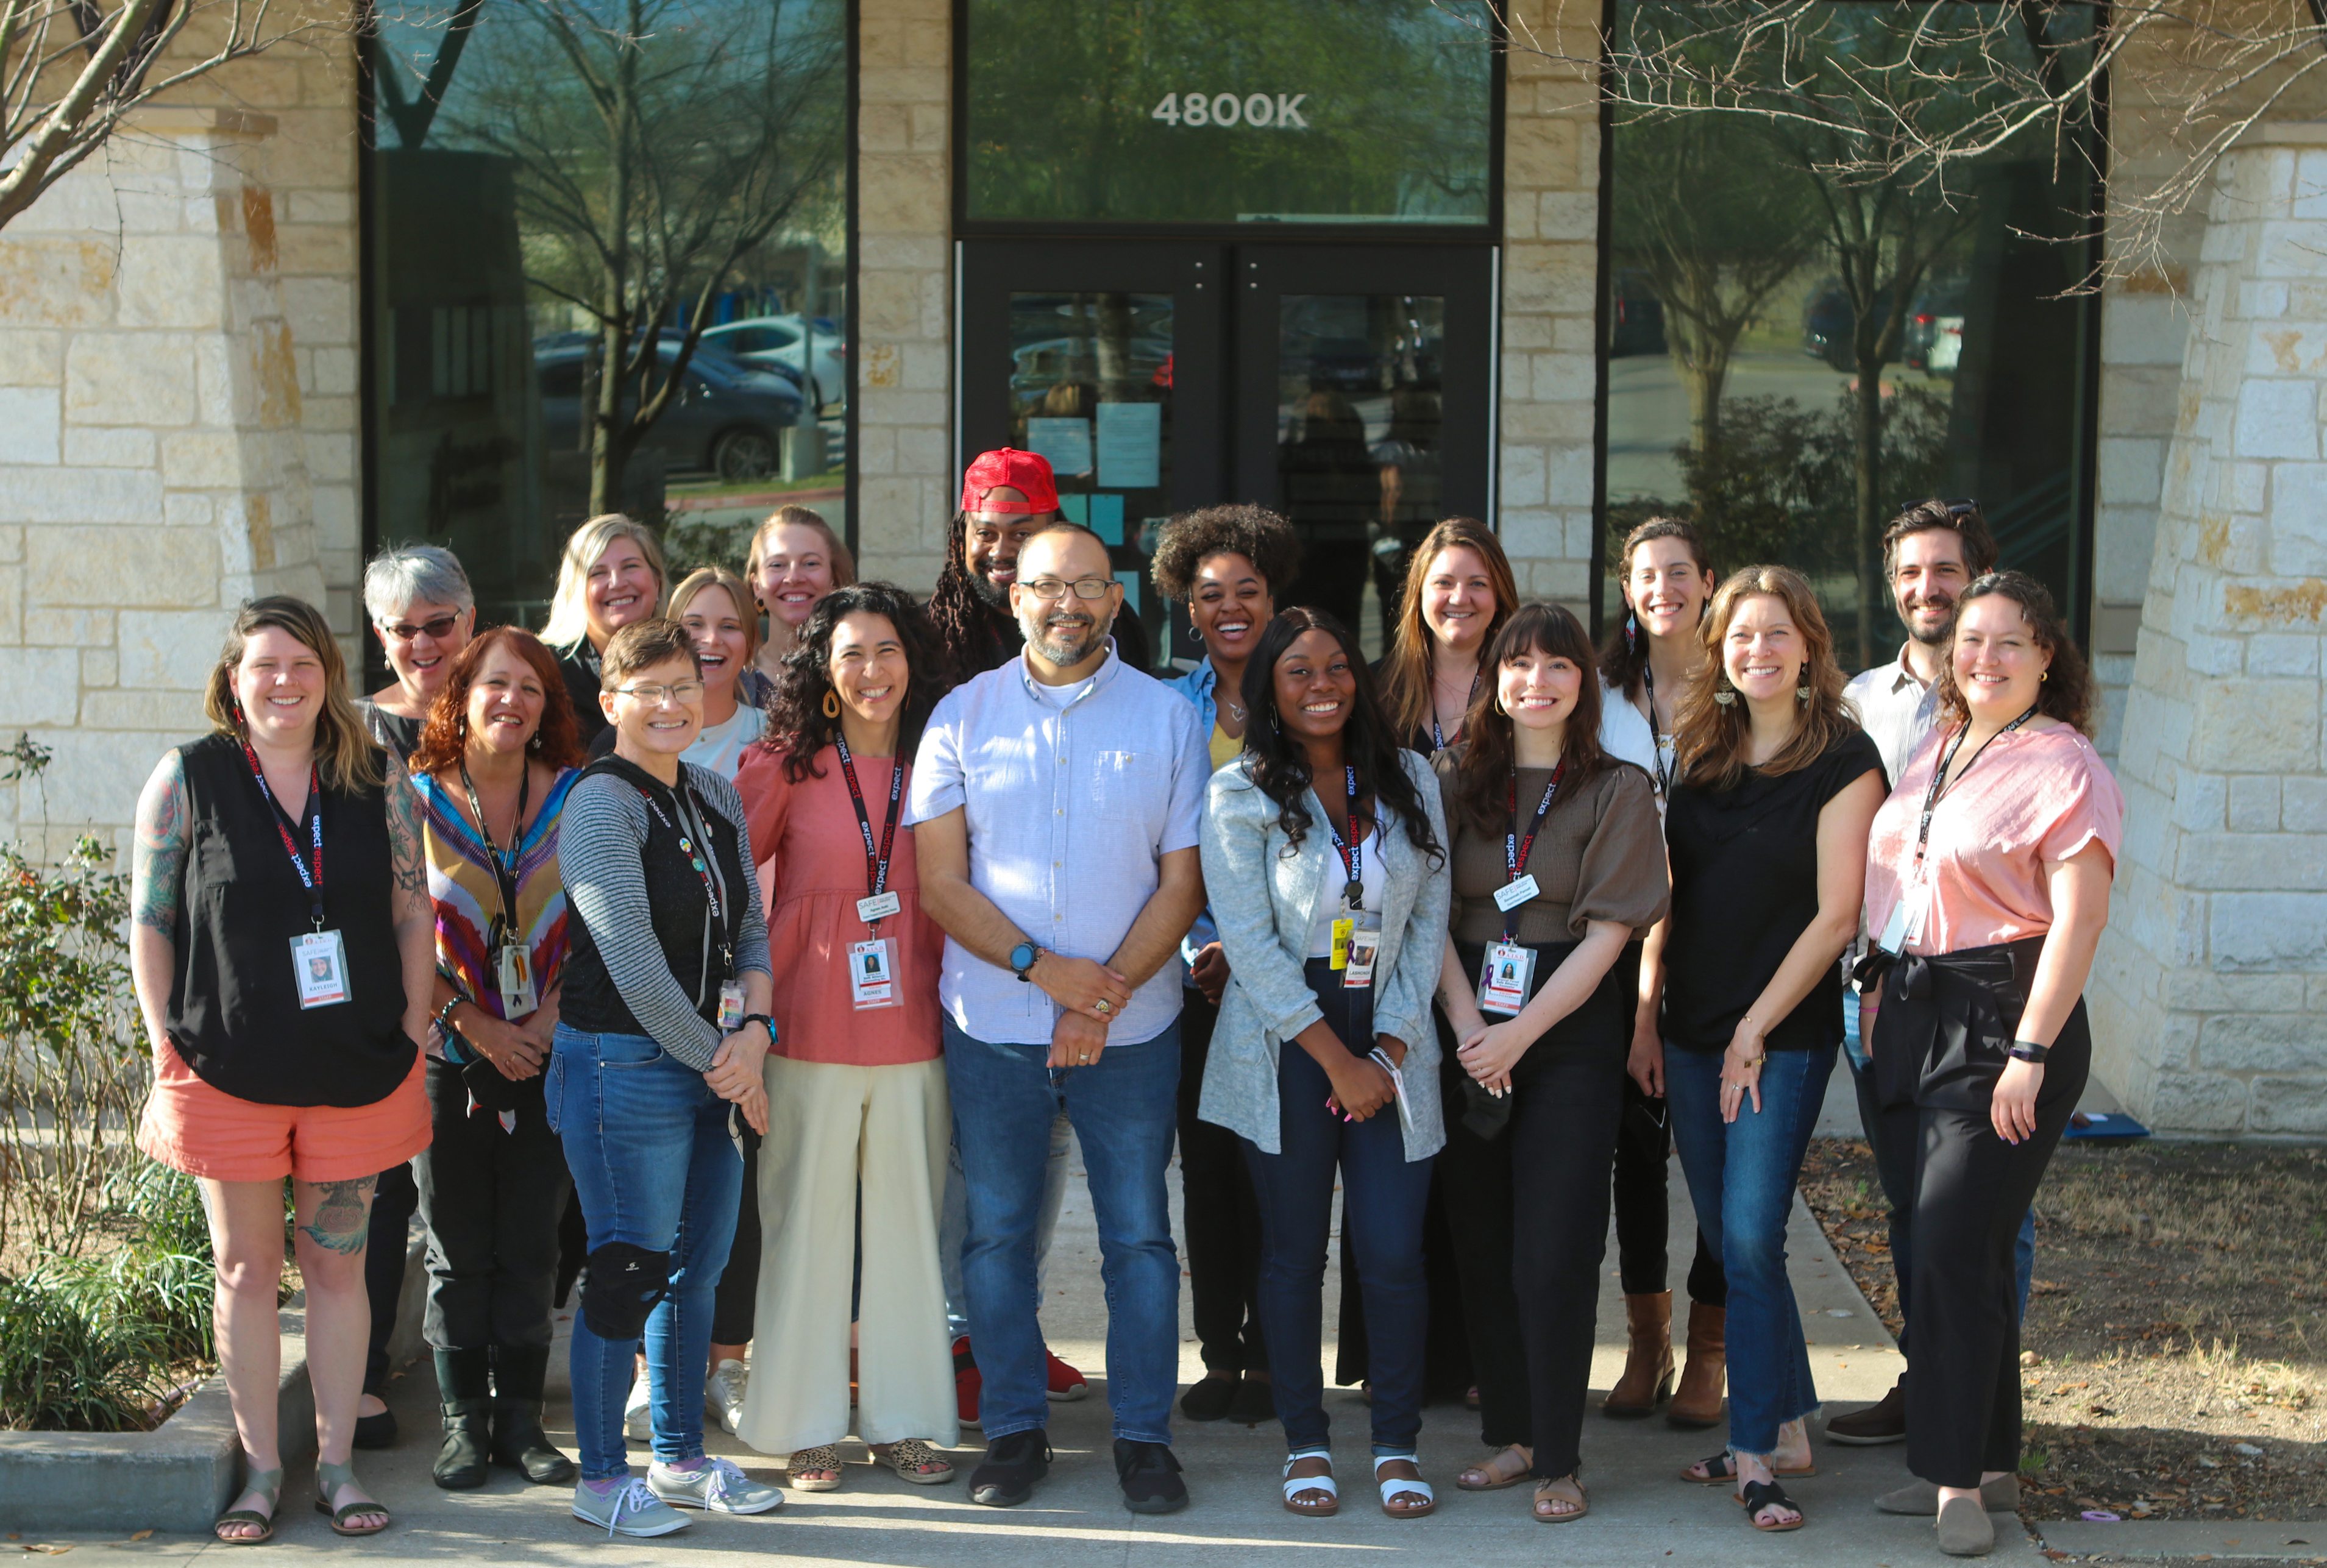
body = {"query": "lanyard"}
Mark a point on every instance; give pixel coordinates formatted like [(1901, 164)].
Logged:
[(704, 861), (1438, 737), (1352, 854), (283, 825), (1515, 848), (1939, 774), (1656, 741), (504, 874), (876, 861)]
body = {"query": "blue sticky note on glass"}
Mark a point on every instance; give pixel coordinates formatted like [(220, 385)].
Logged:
[(1130, 445), (1105, 516), (1130, 581), (1076, 508)]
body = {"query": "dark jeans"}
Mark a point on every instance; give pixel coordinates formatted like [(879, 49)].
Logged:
[(1971, 1188), (1529, 1212), (393, 1200), (491, 1199), (739, 1288), (1643, 1212), (1384, 1196), (1220, 1216)]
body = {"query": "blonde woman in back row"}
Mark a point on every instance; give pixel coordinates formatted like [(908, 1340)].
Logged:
[(795, 560), (610, 575)]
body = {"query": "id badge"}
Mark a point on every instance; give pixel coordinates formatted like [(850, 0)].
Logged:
[(1343, 930), (1906, 923), (878, 909), (731, 1008), (1505, 974), (319, 962), (873, 974), (515, 975), (1365, 946), (1512, 895)]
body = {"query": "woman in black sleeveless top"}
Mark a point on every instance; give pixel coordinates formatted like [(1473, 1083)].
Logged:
[(283, 950)]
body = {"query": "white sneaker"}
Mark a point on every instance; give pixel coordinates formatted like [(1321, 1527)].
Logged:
[(629, 1509), (720, 1486), (637, 1412), (722, 1394)]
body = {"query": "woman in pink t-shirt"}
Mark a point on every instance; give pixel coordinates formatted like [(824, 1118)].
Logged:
[(856, 1085), (1987, 884)]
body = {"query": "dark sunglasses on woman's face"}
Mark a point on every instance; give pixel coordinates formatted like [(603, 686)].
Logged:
[(436, 630)]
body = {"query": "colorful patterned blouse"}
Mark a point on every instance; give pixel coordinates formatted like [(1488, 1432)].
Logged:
[(461, 885)]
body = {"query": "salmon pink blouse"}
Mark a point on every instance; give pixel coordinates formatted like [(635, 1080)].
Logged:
[(2034, 799), (812, 871)]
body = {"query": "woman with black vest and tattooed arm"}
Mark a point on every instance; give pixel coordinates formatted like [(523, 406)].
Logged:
[(282, 947)]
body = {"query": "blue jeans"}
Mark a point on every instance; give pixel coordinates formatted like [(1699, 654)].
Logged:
[(1384, 1197), (655, 1167), (1742, 1177), (1124, 1108), (953, 1224), (1892, 1135)]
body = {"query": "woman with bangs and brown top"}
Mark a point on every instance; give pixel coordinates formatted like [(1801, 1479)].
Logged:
[(1767, 834), (1558, 869)]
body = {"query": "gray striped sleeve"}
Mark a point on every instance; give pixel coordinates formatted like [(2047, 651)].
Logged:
[(598, 843)]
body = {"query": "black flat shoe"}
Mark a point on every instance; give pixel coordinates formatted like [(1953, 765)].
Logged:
[(1150, 1476), (376, 1430), (1011, 1466), (1255, 1402), (1209, 1398)]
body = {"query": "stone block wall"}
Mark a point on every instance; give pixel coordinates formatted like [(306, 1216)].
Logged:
[(2209, 991)]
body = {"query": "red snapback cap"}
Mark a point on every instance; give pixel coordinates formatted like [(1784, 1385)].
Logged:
[(1022, 471)]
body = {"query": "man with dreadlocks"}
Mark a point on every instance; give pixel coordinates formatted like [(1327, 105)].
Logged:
[(1005, 495)]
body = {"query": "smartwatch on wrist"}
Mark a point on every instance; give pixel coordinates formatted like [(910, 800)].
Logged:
[(2028, 1051), (762, 1020), (1023, 959)]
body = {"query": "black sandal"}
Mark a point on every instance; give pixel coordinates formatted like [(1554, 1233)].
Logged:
[(1760, 1495)]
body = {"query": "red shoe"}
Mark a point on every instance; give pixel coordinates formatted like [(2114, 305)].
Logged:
[(967, 1381), (1065, 1383)]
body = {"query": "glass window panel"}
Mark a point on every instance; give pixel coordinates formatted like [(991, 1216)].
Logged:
[(1791, 381), (1229, 111), (512, 222), (1358, 455)]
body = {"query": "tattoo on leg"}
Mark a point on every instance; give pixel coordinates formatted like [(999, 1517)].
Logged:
[(342, 1215)]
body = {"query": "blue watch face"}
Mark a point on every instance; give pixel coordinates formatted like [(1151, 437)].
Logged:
[(1022, 956)]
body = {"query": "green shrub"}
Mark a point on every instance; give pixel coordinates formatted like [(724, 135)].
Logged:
[(67, 1364)]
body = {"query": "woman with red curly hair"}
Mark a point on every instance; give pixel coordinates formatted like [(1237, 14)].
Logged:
[(492, 769)]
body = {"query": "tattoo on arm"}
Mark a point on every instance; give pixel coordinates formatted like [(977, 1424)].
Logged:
[(405, 829), (159, 857), (342, 1215)]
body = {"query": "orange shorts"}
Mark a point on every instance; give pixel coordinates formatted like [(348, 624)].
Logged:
[(205, 1132)]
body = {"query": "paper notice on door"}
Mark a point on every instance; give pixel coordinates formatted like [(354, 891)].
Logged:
[(1064, 444), (1130, 445), (1106, 517)]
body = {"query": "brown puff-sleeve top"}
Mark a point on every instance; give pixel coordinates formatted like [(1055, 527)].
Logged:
[(1600, 856)]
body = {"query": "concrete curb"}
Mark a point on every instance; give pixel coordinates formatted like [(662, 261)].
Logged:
[(179, 1477)]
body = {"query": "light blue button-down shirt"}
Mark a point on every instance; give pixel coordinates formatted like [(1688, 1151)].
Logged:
[(1073, 796)]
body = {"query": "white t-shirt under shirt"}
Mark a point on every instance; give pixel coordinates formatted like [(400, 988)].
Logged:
[(720, 747), (1330, 905), (1625, 733)]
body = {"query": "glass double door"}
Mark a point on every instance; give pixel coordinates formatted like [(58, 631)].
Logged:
[(1346, 387)]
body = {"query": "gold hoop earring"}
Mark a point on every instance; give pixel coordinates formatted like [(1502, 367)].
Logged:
[(831, 703)]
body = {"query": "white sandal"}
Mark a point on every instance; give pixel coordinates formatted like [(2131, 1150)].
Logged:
[(1401, 1485), (1295, 1485)]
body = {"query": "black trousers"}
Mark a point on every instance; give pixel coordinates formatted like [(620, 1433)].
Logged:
[(1221, 1217), (1971, 1190), (394, 1199), (491, 1200), (1529, 1212), (738, 1297), (1643, 1211), (1895, 1135)]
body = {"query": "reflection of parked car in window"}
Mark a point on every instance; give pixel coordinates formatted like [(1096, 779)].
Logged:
[(784, 342), (1636, 317), (1037, 367), (1827, 323), (728, 416), (1933, 341)]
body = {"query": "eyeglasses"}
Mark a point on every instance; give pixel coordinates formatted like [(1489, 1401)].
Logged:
[(1084, 587), (1965, 507), (436, 630), (654, 692)]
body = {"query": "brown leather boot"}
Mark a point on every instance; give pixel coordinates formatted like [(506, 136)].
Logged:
[(1647, 1379), (1702, 1380)]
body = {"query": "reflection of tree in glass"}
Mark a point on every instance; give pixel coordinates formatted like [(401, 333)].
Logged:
[(658, 144), (1395, 97)]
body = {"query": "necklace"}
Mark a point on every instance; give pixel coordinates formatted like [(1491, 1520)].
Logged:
[(1236, 710)]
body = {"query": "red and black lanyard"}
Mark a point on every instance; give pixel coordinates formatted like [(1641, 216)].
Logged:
[(1939, 774), (1352, 854), (1515, 848), (312, 881), (1437, 735), (876, 858)]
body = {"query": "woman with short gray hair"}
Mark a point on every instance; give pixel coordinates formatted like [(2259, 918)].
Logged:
[(424, 612)]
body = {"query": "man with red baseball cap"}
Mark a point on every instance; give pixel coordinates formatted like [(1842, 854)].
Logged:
[(1005, 495)]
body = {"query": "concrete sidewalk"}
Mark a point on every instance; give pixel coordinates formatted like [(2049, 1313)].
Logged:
[(1640, 1513)]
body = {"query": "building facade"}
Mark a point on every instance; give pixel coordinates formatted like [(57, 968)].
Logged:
[(233, 357)]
